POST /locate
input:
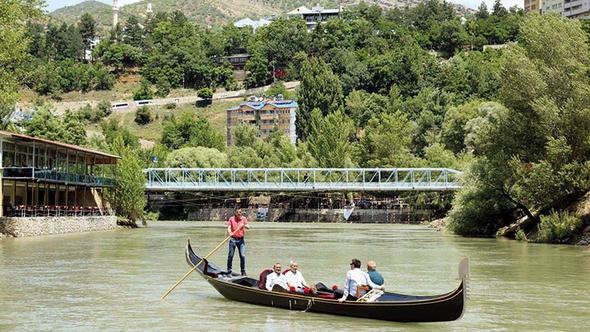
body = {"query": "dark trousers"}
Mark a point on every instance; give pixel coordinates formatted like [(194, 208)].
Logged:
[(233, 243)]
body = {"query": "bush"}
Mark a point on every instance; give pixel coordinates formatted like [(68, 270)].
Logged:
[(205, 93), (558, 227), (143, 115)]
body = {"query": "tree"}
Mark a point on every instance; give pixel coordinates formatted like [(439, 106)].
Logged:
[(87, 29), (330, 139), (482, 11), (320, 89), (532, 155), (112, 131), (259, 71), (386, 142), (187, 131), (68, 129), (197, 157), (143, 115), (13, 47), (128, 197)]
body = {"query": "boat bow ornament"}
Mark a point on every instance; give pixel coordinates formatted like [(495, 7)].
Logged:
[(302, 179)]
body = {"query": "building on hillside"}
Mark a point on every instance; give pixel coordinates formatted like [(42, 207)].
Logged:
[(576, 9), (579, 9), (533, 6), (552, 6), (314, 15), (39, 177), (254, 24), (265, 115), (238, 61)]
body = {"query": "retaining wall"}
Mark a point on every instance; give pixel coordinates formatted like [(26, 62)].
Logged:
[(38, 226), (316, 215)]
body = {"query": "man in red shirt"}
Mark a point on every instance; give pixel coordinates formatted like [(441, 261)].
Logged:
[(239, 223)]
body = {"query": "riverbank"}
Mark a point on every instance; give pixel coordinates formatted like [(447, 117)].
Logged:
[(42, 226), (279, 214)]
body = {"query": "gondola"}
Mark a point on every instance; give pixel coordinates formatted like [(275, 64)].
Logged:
[(387, 306)]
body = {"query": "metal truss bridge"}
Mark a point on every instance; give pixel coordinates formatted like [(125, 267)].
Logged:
[(301, 179)]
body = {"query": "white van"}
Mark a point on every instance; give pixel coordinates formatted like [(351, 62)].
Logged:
[(119, 105), (147, 102)]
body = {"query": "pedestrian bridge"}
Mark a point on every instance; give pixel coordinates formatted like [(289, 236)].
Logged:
[(302, 179)]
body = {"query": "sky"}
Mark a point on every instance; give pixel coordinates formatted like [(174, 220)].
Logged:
[(56, 4)]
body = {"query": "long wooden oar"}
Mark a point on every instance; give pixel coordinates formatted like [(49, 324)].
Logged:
[(199, 263)]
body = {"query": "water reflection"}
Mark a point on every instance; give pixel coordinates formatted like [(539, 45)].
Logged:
[(114, 280)]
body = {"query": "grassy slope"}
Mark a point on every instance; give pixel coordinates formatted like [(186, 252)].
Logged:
[(206, 12)]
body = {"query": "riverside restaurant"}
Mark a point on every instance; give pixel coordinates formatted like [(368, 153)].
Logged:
[(44, 178)]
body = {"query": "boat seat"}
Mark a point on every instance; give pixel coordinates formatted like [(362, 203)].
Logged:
[(206, 269), (263, 275), (371, 296), (360, 289)]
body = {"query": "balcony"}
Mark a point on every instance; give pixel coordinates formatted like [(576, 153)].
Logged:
[(55, 176)]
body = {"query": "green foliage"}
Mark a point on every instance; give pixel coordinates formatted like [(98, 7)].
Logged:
[(520, 235), (143, 115), (330, 139), (144, 91), (196, 157), (558, 227), (259, 71), (386, 142), (112, 131), (68, 129), (205, 93), (13, 47), (320, 89), (128, 197), (187, 131)]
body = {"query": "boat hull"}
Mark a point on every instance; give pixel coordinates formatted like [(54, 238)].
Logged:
[(389, 307)]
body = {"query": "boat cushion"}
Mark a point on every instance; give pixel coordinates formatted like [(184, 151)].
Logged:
[(263, 275), (206, 270)]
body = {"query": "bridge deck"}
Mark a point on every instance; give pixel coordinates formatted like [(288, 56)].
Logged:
[(302, 179)]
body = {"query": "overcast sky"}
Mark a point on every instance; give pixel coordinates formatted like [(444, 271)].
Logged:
[(56, 4)]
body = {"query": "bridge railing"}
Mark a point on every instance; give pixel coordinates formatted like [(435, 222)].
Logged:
[(302, 179)]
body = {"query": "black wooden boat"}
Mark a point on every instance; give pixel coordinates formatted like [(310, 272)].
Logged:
[(388, 306)]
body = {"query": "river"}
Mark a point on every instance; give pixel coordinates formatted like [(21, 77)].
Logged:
[(113, 281)]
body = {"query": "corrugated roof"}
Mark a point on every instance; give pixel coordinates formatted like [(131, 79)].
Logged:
[(64, 145)]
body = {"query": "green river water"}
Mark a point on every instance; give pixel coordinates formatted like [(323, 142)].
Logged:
[(113, 281)]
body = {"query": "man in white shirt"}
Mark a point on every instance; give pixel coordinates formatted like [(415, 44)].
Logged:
[(276, 278), (295, 279), (355, 278)]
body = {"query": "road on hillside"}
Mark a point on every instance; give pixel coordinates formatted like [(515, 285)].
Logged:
[(61, 107)]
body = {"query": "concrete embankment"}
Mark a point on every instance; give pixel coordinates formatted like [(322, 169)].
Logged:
[(315, 215), (39, 226)]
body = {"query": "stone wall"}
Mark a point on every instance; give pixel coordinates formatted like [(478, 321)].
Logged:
[(38, 226), (315, 215)]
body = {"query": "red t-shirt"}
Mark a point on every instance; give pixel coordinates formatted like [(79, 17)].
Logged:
[(237, 223)]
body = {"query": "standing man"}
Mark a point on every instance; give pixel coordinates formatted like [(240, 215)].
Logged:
[(237, 223), (375, 276)]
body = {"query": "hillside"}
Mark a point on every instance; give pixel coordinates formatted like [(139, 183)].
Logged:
[(210, 12), (206, 12)]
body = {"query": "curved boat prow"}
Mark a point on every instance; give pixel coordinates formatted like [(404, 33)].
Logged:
[(464, 277), (464, 269)]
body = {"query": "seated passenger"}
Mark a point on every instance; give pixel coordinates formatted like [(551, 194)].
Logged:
[(276, 278), (375, 276), (295, 279), (355, 278)]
